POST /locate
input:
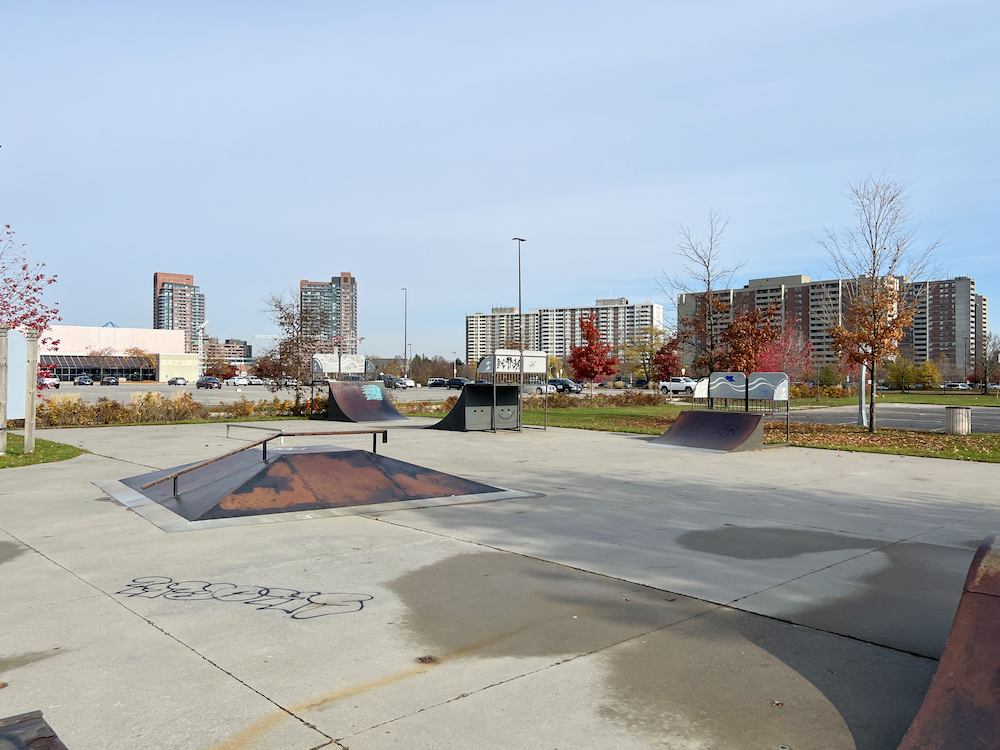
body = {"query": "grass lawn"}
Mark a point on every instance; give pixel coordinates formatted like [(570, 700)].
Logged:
[(45, 451), (653, 420)]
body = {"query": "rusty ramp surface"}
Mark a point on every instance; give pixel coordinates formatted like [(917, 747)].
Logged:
[(360, 401), (722, 431), (29, 731), (961, 710), (298, 479)]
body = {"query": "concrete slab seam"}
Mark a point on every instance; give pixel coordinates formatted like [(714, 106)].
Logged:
[(180, 642)]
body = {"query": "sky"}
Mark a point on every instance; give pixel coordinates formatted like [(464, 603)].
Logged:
[(257, 144)]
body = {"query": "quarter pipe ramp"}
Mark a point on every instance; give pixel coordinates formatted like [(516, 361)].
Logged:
[(357, 401), (961, 710), (722, 431)]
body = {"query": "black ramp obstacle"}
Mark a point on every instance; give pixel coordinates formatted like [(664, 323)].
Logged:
[(723, 431), (358, 401), (475, 405)]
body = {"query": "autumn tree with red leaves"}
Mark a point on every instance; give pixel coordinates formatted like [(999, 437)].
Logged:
[(593, 358), (22, 309), (790, 353), (666, 361)]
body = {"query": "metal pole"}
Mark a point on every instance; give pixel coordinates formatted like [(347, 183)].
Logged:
[(3, 389), (404, 330), (862, 414), (31, 391), (520, 338)]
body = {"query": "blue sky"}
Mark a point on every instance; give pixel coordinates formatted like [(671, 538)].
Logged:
[(257, 144)]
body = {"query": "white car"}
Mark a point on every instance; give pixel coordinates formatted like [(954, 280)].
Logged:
[(254, 380), (538, 388), (957, 387), (408, 383), (677, 385), (237, 381)]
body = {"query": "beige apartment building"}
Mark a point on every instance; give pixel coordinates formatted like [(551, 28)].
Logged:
[(555, 330), (950, 318)]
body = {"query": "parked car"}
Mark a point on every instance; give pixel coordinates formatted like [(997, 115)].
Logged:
[(177, 381), (254, 380), (391, 381), (677, 385), (83, 380), (206, 381), (408, 383), (538, 387), (457, 383), (642, 383), (48, 382), (957, 387), (237, 381), (437, 383), (565, 385), (109, 380)]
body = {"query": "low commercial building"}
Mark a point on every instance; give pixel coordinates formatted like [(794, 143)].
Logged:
[(109, 350)]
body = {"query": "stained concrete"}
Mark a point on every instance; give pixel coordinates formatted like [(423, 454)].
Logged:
[(637, 601)]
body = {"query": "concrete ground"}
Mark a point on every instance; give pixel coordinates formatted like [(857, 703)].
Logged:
[(787, 598)]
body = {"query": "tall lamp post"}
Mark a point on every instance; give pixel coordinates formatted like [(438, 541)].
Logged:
[(454, 364), (404, 331), (520, 333)]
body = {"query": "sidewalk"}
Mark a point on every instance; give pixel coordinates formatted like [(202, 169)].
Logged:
[(649, 599)]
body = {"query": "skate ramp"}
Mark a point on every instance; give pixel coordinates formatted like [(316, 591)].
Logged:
[(475, 407), (360, 401), (961, 710), (297, 479), (722, 431), (28, 730)]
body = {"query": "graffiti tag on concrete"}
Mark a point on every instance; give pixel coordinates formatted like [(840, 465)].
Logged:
[(301, 605)]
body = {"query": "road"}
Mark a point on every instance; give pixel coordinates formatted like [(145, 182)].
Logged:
[(928, 417)]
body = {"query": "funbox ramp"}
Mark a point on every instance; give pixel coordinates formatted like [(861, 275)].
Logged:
[(723, 431), (961, 710), (360, 401), (475, 405)]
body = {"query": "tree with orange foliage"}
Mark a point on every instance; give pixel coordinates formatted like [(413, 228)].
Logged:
[(746, 338), (875, 258)]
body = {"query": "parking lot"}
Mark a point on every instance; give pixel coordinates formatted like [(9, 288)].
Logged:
[(929, 417)]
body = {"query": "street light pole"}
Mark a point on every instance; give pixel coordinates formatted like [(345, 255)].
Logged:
[(520, 332), (454, 366), (404, 331)]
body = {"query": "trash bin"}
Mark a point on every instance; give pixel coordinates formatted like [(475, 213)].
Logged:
[(958, 420)]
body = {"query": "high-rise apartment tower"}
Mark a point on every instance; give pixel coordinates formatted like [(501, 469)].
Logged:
[(178, 304), (337, 302)]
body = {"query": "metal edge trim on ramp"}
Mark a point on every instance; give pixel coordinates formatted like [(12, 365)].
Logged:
[(337, 413), (168, 521), (714, 431), (962, 705)]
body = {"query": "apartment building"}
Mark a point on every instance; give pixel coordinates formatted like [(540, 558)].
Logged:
[(950, 318), (337, 301), (556, 329), (499, 329), (178, 305)]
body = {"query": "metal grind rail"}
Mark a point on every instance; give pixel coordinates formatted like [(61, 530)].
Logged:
[(263, 442)]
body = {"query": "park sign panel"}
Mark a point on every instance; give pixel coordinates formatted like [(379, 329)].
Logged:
[(17, 384), (508, 362)]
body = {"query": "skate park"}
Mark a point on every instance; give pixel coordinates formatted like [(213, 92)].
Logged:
[(622, 594)]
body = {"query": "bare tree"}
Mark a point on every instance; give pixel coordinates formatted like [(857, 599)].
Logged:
[(986, 360), (301, 331), (877, 258), (703, 275)]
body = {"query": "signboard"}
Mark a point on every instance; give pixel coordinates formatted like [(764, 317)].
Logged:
[(17, 363), (727, 385), (346, 364), (769, 386), (509, 361)]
